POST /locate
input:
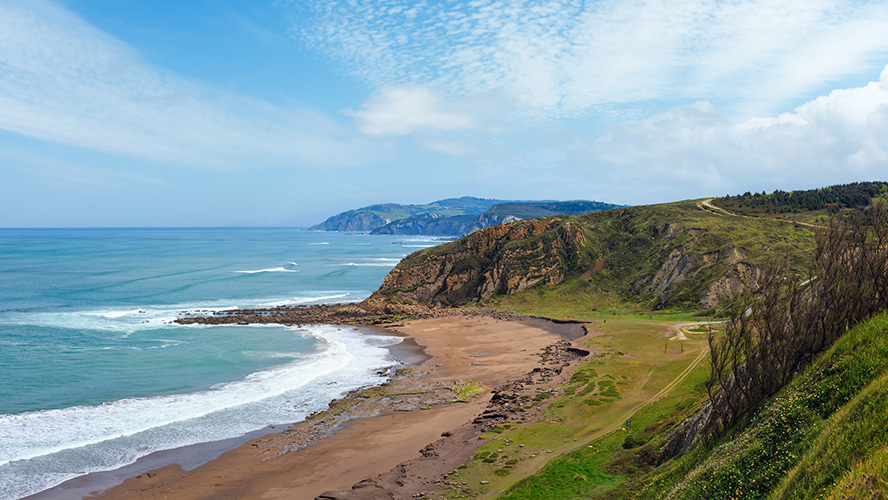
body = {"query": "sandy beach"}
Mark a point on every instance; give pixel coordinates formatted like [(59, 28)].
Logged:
[(395, 441)]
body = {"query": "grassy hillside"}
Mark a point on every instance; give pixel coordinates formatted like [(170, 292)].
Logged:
[(670, 255), (825, 435), (675, 255), (689, 255), (531, 210), (818, 436)]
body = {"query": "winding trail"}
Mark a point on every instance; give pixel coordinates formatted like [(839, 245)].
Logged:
[(707, 206), (615, 424), (679, 329), (672, 385)]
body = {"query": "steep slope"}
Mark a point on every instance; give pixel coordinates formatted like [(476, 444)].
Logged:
[(429, 225), (664, 255), (825, 435), (374, 216), (435, 225)]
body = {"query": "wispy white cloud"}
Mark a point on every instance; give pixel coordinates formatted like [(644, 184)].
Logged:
[(65, 81), (699, 149), (409, 109), (566, 57)]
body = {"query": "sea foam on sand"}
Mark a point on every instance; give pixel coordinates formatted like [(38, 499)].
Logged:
[(39, 450)]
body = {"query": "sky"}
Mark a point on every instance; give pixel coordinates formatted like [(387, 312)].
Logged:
[(284, 112)]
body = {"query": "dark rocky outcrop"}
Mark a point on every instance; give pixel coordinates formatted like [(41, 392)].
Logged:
[(431, 225)]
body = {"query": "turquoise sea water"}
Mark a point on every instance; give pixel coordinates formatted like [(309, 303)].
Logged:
[(93, 375)]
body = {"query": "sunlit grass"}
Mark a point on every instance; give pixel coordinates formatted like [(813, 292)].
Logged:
[(806, 440), (629, 365)]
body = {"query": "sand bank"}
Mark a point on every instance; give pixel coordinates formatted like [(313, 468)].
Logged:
[(413, 432)]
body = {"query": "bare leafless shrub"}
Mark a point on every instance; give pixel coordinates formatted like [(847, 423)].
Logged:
[(778, 328)]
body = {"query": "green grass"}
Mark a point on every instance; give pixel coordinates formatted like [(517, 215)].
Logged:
[(598, 468), (859, 430), (866, 479), (628, 368), (807, 441), (823, 436), (465, 390)]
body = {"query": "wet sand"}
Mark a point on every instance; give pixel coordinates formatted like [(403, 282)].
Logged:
[(390, 436)]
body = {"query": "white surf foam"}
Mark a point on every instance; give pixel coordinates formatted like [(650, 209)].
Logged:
[(126, 320), (269, 270), (41, 449), (306, 300), (119, 314), (388, 263)]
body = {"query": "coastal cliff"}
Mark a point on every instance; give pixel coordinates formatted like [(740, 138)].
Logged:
[(352, 221), (456, 217), (499, 260), (376, 216), (663, 256)]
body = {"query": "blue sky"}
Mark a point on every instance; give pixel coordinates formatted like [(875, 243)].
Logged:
[(282, 112)]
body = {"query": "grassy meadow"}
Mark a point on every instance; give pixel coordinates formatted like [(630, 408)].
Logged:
[(637, 364)]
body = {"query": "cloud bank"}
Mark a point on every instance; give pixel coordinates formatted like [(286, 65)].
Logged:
[(840, 137)]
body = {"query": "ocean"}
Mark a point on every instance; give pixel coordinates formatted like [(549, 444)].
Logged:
[(94, 374)]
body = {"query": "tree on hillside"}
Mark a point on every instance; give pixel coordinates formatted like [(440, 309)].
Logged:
[(777, 329)]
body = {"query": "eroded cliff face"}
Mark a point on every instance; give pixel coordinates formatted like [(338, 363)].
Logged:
[(691, 273), (499, 260), (679, 258), (352, 221)]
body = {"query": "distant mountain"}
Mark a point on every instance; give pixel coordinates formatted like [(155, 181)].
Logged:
[(451, 217), (375, 216), (497, 214)]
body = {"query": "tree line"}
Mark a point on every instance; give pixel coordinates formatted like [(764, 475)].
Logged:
[(833, 198)]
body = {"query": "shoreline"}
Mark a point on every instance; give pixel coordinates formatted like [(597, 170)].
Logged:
[(416, 432), (406, 353)]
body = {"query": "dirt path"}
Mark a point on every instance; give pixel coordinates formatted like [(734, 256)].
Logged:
[(672, 385), (615, 424), (680, 333), (707, 206)]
